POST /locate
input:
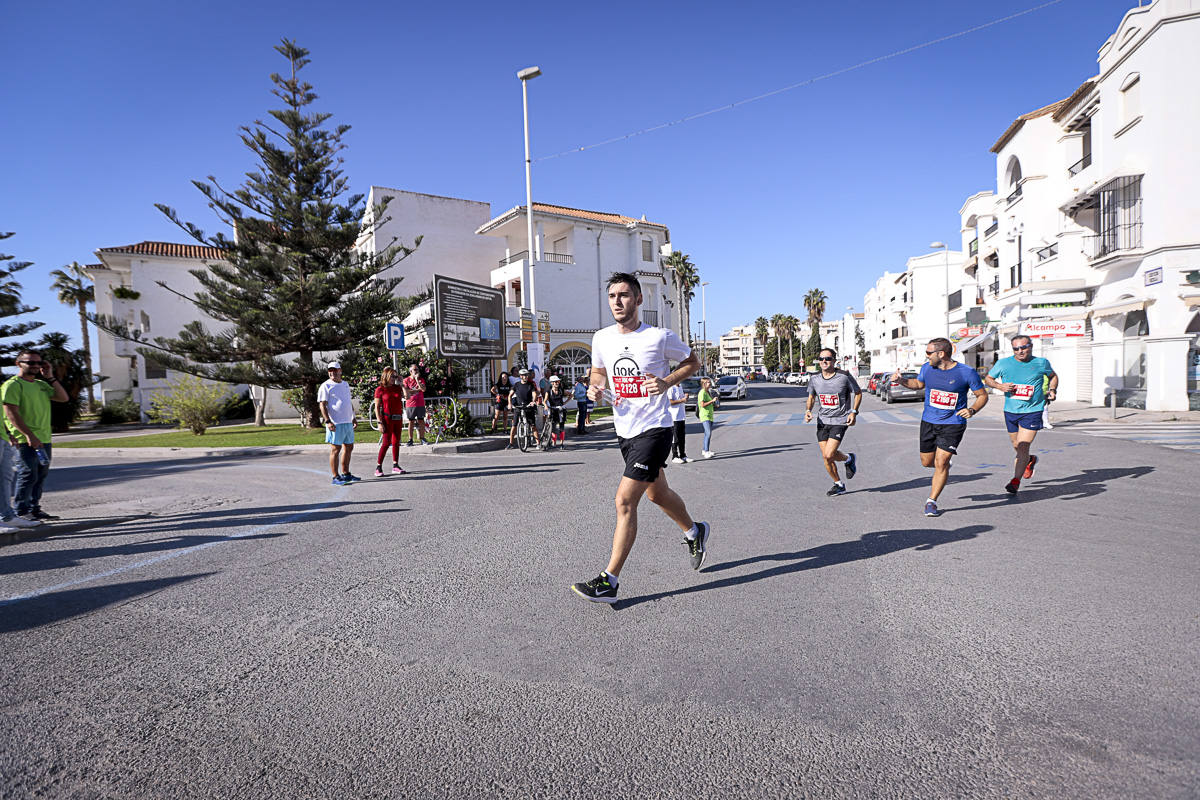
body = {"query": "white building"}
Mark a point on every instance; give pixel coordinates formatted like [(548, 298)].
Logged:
[(575, 251), (742, 351), (1091, 241), (127, 289), (904, 310)]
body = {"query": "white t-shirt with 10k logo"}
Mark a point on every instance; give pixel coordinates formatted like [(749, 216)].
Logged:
[(629, 358)]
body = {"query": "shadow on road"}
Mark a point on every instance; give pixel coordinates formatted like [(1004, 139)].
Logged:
[(47, 609), (869, 545), (917, 483), (1088, 483), (756, 451), (64, 478)]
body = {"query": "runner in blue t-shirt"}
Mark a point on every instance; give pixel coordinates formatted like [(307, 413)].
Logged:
[(944, 421), (1028, 383)]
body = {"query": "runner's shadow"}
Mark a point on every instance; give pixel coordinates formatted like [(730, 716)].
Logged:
[(767, 450), (869, 545), (47, 609), (917, 483), (1088, 483)]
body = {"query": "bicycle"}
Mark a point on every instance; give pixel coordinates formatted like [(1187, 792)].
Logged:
[(524, 435), (548, 426)]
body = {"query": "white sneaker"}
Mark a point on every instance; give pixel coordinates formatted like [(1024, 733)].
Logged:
[(687, 460), (708, 454), (678, 461), (21, 522)]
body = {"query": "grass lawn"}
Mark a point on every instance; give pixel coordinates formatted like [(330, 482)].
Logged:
[(233, 436)]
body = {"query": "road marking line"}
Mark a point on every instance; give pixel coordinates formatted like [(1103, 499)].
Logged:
[(146, 562)]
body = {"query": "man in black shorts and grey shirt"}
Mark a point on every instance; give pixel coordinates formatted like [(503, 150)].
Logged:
[(635, 359), (837, 397)]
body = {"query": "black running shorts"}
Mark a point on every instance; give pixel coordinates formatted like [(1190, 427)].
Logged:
[(941, 437), (646, 453), (830, 431)]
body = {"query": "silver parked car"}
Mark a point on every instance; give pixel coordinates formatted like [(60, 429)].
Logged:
[(732, 387), (891, 392)]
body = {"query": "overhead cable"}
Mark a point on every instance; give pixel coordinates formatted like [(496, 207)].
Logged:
[(807, 82)]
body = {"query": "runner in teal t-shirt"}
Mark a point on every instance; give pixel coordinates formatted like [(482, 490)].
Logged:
[(1028, 383)]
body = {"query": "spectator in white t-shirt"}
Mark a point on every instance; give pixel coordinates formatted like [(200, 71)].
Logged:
[(337, 414)]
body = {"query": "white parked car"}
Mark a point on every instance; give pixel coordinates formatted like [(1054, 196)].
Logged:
[(732, 387), (793, 378)]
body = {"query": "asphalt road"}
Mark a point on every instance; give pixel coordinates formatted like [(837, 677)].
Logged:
[(211, 628)]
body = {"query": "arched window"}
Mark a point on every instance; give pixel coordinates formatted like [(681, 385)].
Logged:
[(1012, 173), (571, 363)]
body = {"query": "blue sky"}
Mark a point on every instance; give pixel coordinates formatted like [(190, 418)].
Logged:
[(111, 108)]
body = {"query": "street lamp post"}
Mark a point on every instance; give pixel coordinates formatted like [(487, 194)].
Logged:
[(526, 75), (703, 330), (946, 273)]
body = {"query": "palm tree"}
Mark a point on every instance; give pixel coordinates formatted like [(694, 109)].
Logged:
[(777, 325), (686, 281), (760, 334), (785, 327), (72, 291), (814, 304)]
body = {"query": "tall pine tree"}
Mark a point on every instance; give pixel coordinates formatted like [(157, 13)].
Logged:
[(12, 306), (292, 284)]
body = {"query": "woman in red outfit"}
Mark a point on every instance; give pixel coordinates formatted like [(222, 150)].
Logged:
[(389, 410)]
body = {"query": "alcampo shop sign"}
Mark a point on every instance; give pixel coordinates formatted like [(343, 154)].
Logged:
[(1037, 329)]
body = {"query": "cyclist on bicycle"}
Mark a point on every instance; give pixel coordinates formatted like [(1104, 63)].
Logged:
[(523, 401), (554, 400)]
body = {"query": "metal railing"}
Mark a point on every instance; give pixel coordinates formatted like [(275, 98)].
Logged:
[(1080, 165), (553, 258), (441, 415), (650, 317), (1015, 193), (1113, 240), (995, 226), (994, 287), (973, 247)]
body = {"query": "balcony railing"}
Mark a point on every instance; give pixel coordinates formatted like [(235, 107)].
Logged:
[(1113, 240), (994, 287), (973, 247), (995, 226), (1015, 193), (1080, 165), (650, 317), (554, 258), (1047, 252)]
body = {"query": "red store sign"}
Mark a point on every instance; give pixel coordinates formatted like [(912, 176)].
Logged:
[(1037, 329)]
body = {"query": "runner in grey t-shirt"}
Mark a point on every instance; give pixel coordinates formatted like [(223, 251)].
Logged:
[(838, 396)]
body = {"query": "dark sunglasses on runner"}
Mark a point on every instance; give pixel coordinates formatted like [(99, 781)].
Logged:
[(1022, 347), (824, 359), (32, 362)]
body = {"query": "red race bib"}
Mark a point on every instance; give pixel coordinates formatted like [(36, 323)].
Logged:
[(633, 386), (1022, 391), (828, 400), (942, 399)]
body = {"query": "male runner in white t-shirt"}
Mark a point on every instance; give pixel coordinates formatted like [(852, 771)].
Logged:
[(634, 359)]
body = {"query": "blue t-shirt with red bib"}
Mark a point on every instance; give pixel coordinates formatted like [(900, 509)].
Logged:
[(947, 392)]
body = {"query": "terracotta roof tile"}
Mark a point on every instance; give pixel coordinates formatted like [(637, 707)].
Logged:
[(1021, 120), (596, 216), (166, 249)]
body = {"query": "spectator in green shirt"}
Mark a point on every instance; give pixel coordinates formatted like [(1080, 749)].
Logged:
[(26, 399)]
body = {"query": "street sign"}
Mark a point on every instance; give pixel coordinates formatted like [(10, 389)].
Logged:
[(1154, 276), (469, 319), (543, 327), (393, 334), (527, 332)]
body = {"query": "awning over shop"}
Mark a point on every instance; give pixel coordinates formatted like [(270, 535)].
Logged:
[(964, 346), (1191, 298), (1115, 309)]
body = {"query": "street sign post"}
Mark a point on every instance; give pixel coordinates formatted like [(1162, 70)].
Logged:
[(393, 337), (468, 318)]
